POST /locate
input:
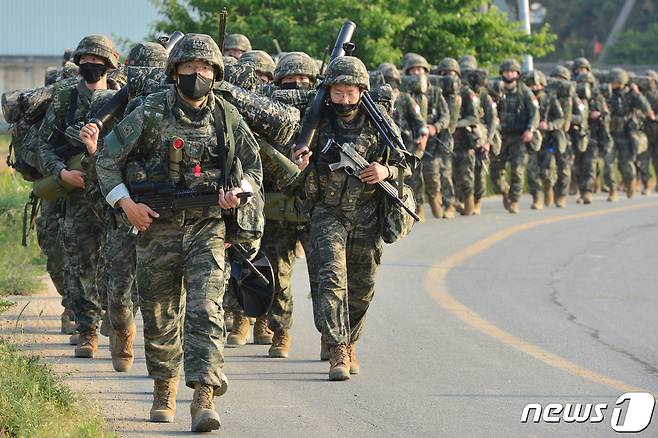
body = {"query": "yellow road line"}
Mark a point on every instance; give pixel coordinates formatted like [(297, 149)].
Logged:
[(435, 284)]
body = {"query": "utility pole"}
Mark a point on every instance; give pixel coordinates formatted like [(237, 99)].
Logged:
[(524, 17), (616, 29)]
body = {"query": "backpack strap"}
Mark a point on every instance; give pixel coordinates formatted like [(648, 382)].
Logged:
[(227, 118), (73, 104)]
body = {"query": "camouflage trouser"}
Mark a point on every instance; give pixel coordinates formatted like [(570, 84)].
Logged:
[(447, 187), (83, 233), (514, 152), (589, 167), (535, 183), (180, 271), (278, 243), (644, 166), (653, 147), (481, 172), (50, 241), (120, 258), (425, 180), (625, 157), (564, 165), (577, 169), (347, 254), (464, 171)]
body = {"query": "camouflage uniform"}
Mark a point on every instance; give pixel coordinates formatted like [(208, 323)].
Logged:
[(518, 112), (650, 90), (81, 229), (346, 233), (627, 109), (183, 248), (432, 106)]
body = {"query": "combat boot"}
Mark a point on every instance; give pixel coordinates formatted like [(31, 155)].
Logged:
[(477, 207), (262, 333), (548, 196), (280, 344), (355, 366), (122, 348), (164, 400), (514, 207), (204, 416), (629, 188), (68, 325), (587, 198), (612, 195), (88, 344), (506, 201), (421, 213), (324, 350), (560, 201), (449, 212), (645, 188), (339, 361), (240, 331), (437, 208), (469, 206), (536, 202)]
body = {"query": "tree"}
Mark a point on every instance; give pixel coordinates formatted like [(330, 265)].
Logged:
[(385, 29)]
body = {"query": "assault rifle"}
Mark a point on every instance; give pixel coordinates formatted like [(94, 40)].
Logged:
[(354, 164)]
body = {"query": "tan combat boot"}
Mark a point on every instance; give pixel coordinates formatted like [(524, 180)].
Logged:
[(164, 400), (587, 198), (122, 348), (560, 201), (280, 344), (262, 333), (421, 213), (612, 195), (548, 196), (469, 206), (68, 325), (437, 208), (449, 212), (88, 344), (240, 331), (514, 207), (536, 202), (477, 207), (204, 416), (339, 361), (324, 350), (355, 366)]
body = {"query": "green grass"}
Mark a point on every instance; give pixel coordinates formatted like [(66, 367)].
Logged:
[(20, 267)]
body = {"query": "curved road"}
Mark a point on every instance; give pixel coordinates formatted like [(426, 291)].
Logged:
[(472, 320)]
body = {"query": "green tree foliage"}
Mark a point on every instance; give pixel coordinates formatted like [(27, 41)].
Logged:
[(636, 47), (385, 29)]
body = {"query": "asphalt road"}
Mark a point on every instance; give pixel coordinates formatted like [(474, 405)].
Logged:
[(472, 320)]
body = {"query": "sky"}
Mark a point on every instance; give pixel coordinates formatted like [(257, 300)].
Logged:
[(47, 27)]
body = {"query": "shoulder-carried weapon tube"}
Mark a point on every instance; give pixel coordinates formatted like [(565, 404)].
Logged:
[(117, 104), (310, 126)]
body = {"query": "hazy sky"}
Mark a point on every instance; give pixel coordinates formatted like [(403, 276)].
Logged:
[(47, 27)]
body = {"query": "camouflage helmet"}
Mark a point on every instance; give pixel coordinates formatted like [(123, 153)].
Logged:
[(97, 45), (586, 77), (534, 77), (262, 62), (561, 72), (295, 63), (415, 60), (229, 60), (347, 70), (652, 74), (510, 65), (147, 54), (618, 75), (448, 64), (468, 62), (390, 72), (196, 46), (69, 70), (237, 41), (581, 63)]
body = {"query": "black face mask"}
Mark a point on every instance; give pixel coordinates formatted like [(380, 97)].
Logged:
[(92, 72), (296, 86), (194, 86), (344, 109)]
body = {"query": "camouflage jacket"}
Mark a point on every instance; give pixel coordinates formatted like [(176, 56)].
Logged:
[(489, 114), (434, 110), (627, 110), (407, 115), (162, 121), (518, 110), (652, 126)]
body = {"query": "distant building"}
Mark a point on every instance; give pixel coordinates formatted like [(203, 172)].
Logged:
[(34, 33)]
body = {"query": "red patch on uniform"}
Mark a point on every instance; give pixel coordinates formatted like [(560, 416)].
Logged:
[(177, 143)]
